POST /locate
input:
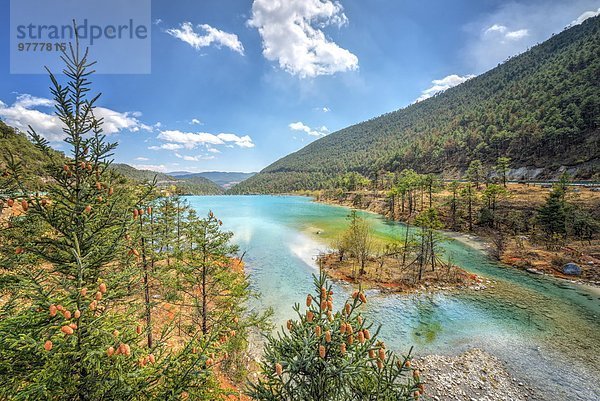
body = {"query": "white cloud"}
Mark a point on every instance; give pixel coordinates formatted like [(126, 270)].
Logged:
[(25, 111), (191, 140), (28, 101), (210, 36), (584, 16), (142, 159), (243, 142), (495, 28), (213, 150), (195, 121), (300, 126), (114, 121), (517, 35), (153, 167), (194, 158), (167, 146), (292, 35), (440, 85), (500, 33)]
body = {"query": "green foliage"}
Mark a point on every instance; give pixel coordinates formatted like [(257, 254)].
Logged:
[(539, 109), (553, 214), (475, 173), (327, 355), (58, 317), (16, 148), (502, 167), (352, 181)]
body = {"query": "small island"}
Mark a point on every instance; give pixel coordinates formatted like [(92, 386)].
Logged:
[(414, 263)]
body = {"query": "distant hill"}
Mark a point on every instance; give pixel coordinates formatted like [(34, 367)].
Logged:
[(178, 173), (184, 185), (541, 109), (221, 178)]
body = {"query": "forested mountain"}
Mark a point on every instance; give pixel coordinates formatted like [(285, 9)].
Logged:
[(223, 178), (541, 109), (186, 185)]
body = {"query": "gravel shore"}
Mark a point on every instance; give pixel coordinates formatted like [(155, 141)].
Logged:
[(472, 376)]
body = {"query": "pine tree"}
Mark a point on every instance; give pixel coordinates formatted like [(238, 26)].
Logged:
[(65, 296), (333, 356), (502, 167), (475, 173)]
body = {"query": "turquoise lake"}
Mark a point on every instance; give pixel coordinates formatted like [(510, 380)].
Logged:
[(546, 331)]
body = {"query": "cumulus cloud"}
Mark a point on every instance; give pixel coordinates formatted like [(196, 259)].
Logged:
[(195, 121), (495, 28), (153, 167), (501, 32), (440, 85), (190, 140), (167, 146), (584, 16), (292, 35), (208, 37), (36, 111), (194, 158), (517, 35), (300, 126)]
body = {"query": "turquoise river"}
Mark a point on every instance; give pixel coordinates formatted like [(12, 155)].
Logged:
[(546, 331)]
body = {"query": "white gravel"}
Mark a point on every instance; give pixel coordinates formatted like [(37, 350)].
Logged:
[(472, 376)]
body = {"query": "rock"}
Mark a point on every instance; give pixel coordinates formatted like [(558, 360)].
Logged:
[(533, 271), (572, 269)]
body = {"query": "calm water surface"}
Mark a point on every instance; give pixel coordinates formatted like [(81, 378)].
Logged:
[(547, 331)]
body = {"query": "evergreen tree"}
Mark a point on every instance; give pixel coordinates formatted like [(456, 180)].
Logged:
[(552, 215), (502, 167), (475, 173), (66, 296), (333, 356)]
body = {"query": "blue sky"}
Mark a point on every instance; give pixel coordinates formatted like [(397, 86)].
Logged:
[(235, 85)]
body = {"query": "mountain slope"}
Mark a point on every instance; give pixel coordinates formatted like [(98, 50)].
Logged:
[(17, 145), (223, 178), (541, 109), (185, 185)]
